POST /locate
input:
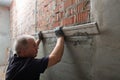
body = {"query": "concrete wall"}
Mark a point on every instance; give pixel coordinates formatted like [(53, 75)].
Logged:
[(4, 32), (4, 39), (106, 61), (76, 62)]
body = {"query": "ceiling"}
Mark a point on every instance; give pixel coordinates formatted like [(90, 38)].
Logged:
[(5, 3)]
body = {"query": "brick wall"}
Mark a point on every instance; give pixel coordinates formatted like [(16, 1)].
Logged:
[(53, 13), (28, 16)]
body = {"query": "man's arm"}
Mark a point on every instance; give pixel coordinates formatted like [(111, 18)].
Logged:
[(57, 52), (38, 42)]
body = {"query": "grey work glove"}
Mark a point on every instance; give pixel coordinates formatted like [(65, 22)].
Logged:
[(40, 35), (59, 32)]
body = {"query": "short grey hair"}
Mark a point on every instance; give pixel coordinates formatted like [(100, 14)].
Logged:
[(21, 43)]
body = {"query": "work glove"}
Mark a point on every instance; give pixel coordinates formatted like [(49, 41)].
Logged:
[(59, 32), (40, 35)]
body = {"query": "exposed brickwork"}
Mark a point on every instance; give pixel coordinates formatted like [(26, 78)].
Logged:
[(47, 14), (62, 13)]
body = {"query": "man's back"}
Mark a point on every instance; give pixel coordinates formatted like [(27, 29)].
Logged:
[(25, 68)]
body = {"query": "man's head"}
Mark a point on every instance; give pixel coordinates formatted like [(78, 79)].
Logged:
[(25, 46)]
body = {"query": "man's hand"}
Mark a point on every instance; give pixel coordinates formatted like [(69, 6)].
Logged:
[(59, 32), (40, 35)]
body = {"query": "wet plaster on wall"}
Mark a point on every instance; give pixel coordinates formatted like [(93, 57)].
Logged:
[(76, 62)]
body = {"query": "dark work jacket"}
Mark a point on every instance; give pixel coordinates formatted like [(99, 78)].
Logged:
[(25, 68)]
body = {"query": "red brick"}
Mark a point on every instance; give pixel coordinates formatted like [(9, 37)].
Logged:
[(74, 1), (56, 24), (45, 9), (57, 9), (85, 16), (68, 21), (80, 7), (51, 20), (46, 2), (56, 18), (58, 1), (61, 15), (82, 17), (64, 21), (83, 6), (87, 5), (67, 3), (42, 28), (71, 20), (61, 6), (70, 11)]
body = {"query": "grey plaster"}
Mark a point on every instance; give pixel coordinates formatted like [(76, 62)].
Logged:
[(76, 61), (107, 57)]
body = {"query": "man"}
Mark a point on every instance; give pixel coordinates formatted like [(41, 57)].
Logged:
[(24, 66)]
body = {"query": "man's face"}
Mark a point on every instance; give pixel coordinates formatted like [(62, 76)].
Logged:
[(32, 48)]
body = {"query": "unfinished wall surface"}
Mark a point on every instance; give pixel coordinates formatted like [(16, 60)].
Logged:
[(76, 62), (4, 39), (30, 16), (53, 13), (85, 57)]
